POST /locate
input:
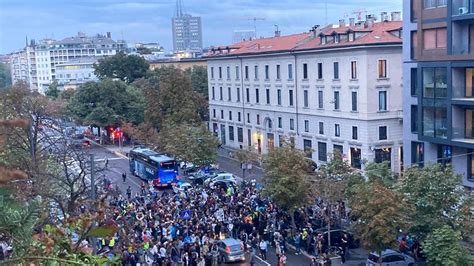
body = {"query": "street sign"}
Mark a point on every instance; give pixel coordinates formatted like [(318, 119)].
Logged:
[(186, 214)]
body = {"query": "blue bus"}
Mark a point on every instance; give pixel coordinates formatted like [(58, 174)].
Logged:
[(150, 165)]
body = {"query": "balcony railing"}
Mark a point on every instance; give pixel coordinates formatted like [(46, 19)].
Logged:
[(462, 93), (463, 134), (462, 7)]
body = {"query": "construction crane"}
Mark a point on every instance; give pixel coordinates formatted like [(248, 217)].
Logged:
[(359, 13), (254, 19)]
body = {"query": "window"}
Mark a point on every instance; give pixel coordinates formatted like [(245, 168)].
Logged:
[(255, 72), (220, 72), (413, 81), (383, 155), (290, 71), (228, 72), (445, 154), (354, 101), (246, 72), (417, 153), (267, 92), (221, 94), (239, 118), (435, 82), (240, 134), (257, 96), (213, 93), (382, 71), (336, 100), (248, 118), (353, 70), (280, 123), (290, 95), (434, 38), (222, 114), (279, 97), (212, 72), (305, 98), (238, 95), (321, 128), (247, 91), (338, 148), (434, 3), (305, 71), (336, 70), (337, 130), (322, 152), (382, 101), (267, 74), (320, 70), (229, 94), (258, 119), (292, 124), (414, 118), (278, 71), (308, 148), (435, 120), (383, 133), (231, 133), (414, 44), (230, 115), (237, 72), (249, 137), (320, 100), (306, 126), (214, 113), (354, 133)]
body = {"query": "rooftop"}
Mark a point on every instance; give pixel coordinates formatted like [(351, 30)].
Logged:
[(355, 34)]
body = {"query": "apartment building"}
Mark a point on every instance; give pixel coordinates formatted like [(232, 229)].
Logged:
[(40, 60), (332, 88), (187, 31), (439, 84)]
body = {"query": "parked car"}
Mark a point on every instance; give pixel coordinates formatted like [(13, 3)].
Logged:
[(224, 184), (199, 177), (181, 187), (336, 236), (220, 177), (186, 166), (230, 250), (390, 258)]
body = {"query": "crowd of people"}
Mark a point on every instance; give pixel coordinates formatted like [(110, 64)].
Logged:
[(163, 228)]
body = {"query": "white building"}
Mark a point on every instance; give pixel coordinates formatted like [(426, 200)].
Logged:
[(42, 58), (76, 72), (336, 88)]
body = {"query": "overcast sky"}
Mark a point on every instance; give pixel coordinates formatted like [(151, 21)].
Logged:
[(150, 20)]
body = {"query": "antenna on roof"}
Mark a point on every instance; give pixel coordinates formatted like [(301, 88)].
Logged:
[(359, 12), (179, 8), (326, 11)]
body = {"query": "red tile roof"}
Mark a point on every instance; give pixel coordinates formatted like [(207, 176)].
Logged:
[(378, 33)]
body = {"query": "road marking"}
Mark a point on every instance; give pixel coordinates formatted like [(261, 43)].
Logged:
[(110, 159), (128, 178), (266, 263)]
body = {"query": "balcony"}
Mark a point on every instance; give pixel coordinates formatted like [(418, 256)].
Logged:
[(462, 8), (464, 135)]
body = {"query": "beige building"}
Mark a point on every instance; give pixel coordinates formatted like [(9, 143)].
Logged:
[(182, 64)]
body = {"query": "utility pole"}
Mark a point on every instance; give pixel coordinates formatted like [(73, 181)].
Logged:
[(93, 198)]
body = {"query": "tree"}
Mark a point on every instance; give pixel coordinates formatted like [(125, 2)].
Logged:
[(442, 247), (198, 77), (380, 172), (127, 68), (436, 195), (169, 98), (5, 76), (67, 94), (53, 90), (107, 102), (380, 213), (285, 178), (190, 143)]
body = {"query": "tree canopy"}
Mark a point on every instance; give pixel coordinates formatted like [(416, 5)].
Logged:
[(53, 90), (121, 66), (107, 102), (5, 76)]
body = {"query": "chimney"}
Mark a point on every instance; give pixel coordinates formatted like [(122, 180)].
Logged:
[(342, 23), (369, 21), (396, 16), (314, 30), (277, 33), (383, 17), (109, 35), (352, 22)]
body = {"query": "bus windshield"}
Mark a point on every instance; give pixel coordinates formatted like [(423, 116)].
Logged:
[(168, 165)]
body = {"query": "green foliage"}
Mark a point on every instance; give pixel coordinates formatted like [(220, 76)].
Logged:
[(198, 76), (286, 180), (437, 196), (191, 143), (380, 172), (127, 68), (53, 90), (67, 94), (5, 76), (107, 102), (442, 247), (380, 214)]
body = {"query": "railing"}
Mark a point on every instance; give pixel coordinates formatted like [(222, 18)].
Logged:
[(461, 91), (463, 133)]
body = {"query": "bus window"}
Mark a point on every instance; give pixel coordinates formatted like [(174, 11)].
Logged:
[(168, 165)]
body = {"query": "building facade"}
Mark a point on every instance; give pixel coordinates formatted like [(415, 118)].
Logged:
[(76, 72), (439, 84), (42, 58), (335, 88), (187, 31)]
